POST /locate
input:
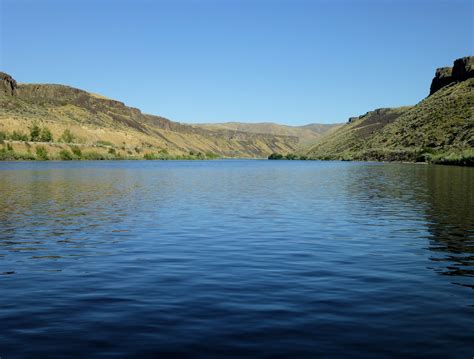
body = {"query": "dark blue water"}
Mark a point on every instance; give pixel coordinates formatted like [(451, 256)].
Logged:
[(236, 259)]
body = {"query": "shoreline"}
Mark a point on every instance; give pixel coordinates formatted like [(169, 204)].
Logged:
[(55, 160), (12, 150)]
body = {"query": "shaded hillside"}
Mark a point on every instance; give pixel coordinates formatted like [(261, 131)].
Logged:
[(440, 126), (95, 119), (307, 134), (352, 137)]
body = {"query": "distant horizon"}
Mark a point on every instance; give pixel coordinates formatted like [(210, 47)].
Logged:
[(289, 63), (259, 123)]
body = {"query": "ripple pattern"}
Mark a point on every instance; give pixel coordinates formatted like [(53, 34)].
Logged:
[(236, 258)]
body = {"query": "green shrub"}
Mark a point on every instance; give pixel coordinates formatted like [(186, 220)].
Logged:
[(35, 132), (3, 137), (6, 155), (465, 158), (41, 153), (424, 157), (159, 156), (164, 155), (65, 155), (25, 156), (275, 156), (46, 135), (151, 156), (18, 136), (76, 151), (67, 136), (94, 156), (211, 156), (10, 155)]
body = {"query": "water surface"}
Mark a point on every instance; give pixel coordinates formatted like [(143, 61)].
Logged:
[(236, 259)]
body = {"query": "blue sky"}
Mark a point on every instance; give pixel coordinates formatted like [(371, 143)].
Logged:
[(291, 62)]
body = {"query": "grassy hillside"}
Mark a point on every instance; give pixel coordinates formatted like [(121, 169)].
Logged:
[(351, 137), (306, 135), (96, 121), (38, 118), (440, 128)]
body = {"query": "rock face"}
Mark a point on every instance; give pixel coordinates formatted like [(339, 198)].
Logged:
[(7, 84), (443, 77), (97, 118), (462, 70)]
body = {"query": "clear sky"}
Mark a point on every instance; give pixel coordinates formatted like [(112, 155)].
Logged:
[(291, 62)]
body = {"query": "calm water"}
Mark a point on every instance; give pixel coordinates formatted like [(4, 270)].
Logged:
[(236, 259)]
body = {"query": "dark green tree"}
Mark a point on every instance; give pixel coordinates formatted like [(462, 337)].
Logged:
[(18, 136), (46, 135), (67, 136), (275, 156), (41, 153), (35, 132), (76, 151), (65, 155)]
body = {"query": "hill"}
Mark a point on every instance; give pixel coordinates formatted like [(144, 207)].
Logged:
[(440, 128), (101, 124), (306, 135)]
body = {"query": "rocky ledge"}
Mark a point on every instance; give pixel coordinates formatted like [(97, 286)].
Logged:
[(7, 84), (462, 70)]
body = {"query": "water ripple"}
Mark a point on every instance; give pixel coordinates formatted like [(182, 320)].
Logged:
[(235, 259)]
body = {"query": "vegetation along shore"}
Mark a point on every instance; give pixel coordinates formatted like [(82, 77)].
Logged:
[(44, 121)]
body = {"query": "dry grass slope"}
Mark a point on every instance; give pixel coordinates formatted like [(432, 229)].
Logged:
[(440, 126), (305, 135), (93, 119)]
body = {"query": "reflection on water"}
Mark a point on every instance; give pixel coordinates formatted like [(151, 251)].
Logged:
[(450, 218), (252, 258), (443, 199)]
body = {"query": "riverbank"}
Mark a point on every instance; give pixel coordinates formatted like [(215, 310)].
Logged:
[(43, 151), (456, 158)]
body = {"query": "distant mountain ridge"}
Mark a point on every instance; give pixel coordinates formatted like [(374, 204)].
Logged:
[(306, 134), (439, 128)]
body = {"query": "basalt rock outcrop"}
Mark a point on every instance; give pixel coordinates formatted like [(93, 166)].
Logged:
[(439, 129), (462, 70), (94, 119), (377, 118), (7, 84)]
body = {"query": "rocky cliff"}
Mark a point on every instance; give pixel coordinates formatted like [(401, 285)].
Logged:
[(462, 70), (440, 128), (95, 119), (7, 84)]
